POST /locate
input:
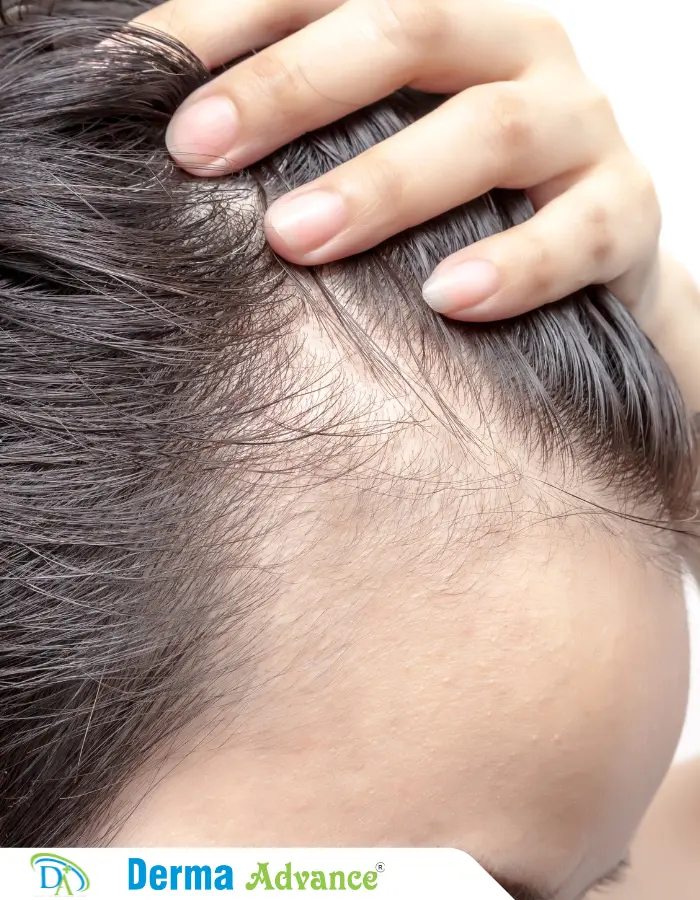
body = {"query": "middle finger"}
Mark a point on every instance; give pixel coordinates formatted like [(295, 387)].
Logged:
[(510, 135)]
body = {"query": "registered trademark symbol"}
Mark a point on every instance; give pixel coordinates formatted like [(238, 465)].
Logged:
[(380, 867)]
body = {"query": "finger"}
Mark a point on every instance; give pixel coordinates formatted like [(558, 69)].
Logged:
[(591, 234), (218, 31), (357, 54), (510, 135)]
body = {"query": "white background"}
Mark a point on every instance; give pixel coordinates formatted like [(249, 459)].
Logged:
[(646, 56)]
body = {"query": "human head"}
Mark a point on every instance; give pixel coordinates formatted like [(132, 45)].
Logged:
[(290, 533)]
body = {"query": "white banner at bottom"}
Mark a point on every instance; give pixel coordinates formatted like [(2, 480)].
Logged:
[(128, 874)]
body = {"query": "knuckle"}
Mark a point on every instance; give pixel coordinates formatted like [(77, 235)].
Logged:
[(596, 103), (541, 265), (384, 189), (649, 200), (542, 25), (596, 214), (271, 78), (599, 135), (509, 128), (602, 242), (410, 24), (276, 26)]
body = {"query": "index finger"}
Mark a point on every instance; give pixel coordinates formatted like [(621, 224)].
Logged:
[(357, 54), (218, 31)]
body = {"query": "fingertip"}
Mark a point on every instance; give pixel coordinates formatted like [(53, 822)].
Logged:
[(456, 289), (300, 225), (202, 134)]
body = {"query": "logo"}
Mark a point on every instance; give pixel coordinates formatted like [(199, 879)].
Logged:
[(59, 875)]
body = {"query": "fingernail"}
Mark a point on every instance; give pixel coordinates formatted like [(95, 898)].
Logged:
[(307, 221), (461, 285), (202, 135)]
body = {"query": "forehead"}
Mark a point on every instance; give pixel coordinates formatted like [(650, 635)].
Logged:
[(532, 698), (522, 707), (572, 685)]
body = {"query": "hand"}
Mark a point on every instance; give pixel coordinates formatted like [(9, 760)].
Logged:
[(522, 115)]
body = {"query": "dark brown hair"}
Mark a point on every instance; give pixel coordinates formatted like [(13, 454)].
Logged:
[(148, 345)]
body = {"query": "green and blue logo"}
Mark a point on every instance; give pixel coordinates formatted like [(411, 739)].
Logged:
[(59, 875)]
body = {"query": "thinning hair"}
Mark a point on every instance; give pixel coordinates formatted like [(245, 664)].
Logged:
[(151, 365)]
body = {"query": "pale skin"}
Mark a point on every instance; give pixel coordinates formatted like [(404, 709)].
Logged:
[(665, 853), (530, 119), (522, 704)]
